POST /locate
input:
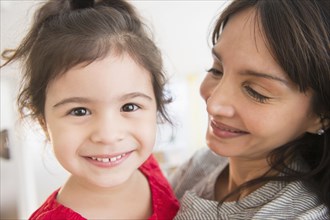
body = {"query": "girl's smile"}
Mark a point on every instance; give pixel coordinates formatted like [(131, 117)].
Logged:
[(108, 161)]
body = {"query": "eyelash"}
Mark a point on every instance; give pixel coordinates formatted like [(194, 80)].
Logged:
[(215, 72), (135, 107), (255, 95), (85, 111), (74, 112)]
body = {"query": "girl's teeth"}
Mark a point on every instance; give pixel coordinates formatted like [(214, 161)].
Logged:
[(107, 160)]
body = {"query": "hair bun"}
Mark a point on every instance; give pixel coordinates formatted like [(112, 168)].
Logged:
[(80, 4)]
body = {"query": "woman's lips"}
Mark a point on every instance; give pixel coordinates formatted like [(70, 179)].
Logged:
[(225, 131)]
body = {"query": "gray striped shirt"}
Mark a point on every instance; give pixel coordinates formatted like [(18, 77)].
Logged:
[(194, 184)]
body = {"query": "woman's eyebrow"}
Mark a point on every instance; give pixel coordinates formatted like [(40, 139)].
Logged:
[(216, 55), (266, 76), (254, 73)]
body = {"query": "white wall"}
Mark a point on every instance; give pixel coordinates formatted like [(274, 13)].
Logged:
[(181, 29)]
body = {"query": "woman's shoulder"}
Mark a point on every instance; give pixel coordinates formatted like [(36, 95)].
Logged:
[(296, 200), (293, 201), (302, 198)]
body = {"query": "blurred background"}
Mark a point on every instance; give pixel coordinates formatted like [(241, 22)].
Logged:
[(30, 172)]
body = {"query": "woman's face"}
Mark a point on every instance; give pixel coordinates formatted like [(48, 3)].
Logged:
[(252, 105)]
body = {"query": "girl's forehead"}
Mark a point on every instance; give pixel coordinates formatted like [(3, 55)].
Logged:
[(110, 80), (113, 67)]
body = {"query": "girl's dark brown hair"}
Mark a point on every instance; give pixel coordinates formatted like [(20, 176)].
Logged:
[(298, 35), (66, 33)]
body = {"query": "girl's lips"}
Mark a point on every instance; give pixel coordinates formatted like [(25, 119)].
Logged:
[(225, 131), (106, 161)]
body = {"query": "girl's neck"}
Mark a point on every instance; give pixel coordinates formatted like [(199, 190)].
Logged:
[(89, 201)]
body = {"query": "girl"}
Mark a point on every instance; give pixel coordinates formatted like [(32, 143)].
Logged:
[(268, 100), (94, 81)]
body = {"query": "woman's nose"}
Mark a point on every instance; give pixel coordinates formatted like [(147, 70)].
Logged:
[(220, 99)]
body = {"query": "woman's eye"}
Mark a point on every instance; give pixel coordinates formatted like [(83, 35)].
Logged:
[(215, 72), (79, 112), (129, 107), (256, 96)]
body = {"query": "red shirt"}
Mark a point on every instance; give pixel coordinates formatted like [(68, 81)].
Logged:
[(164, 203)]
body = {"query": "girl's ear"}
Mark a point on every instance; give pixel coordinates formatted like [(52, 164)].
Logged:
[(43, 125)]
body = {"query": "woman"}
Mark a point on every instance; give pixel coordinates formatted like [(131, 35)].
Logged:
[(268, 101)]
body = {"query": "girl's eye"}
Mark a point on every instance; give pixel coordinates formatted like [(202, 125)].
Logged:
[(129, 107), (79, 112), (215, 72), (256, 96)]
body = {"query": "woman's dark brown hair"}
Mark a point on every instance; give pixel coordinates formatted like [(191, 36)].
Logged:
[(297, 33)]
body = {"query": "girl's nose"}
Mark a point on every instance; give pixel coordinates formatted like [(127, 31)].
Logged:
[(107, 130)]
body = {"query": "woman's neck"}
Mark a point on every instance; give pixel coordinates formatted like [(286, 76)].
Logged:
[(239, 172)]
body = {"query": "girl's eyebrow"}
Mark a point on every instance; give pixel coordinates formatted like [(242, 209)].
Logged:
[(72, 100), (254, 73), (136, 94), (87, 100)]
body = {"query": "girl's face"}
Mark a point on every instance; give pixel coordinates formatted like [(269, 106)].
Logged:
[(252, 105), (101, 120)]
